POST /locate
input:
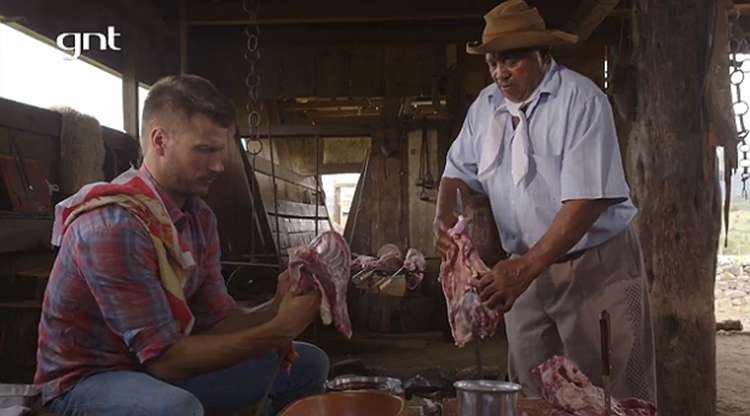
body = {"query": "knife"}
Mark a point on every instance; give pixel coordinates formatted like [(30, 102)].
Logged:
[(606, 365)]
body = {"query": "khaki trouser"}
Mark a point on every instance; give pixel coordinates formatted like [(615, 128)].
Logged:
[(559, 315)]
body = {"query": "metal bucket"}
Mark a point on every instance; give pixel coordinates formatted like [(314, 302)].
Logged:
[(487, 398)]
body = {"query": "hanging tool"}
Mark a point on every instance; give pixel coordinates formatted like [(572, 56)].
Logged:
[(425, 180), (606, 365)]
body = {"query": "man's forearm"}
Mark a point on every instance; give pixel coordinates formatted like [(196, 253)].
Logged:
[(245, 318), (446, 203), (199, 354), (573, 220)]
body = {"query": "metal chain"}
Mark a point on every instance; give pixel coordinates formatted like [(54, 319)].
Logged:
[(738, 71), (253, 107)]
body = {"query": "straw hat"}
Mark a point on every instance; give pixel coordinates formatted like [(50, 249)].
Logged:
[(515, 25)]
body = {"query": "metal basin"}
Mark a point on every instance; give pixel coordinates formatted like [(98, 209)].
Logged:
[(350, 403), (487, 398)]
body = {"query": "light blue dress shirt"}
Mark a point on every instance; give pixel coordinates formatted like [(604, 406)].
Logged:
[(573, 154)]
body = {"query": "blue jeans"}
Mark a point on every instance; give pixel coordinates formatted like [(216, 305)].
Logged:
[(132, 393)]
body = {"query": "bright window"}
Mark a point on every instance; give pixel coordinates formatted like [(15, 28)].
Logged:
[(37, 73)]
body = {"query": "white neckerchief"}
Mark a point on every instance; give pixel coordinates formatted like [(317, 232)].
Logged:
[(519, 147)]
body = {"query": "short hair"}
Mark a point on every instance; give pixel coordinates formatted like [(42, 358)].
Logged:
[(187, 95)]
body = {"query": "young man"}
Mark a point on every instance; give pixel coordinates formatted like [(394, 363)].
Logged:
[(136, 317), (541, 143)]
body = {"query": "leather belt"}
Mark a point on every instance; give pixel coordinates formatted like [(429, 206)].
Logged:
[(571, 256)]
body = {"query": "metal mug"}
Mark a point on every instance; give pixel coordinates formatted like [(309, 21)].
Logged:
[(487, 398)]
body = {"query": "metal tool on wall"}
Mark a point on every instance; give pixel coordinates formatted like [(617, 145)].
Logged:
[(425, 180)]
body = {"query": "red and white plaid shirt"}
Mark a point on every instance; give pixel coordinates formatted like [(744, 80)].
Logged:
[(105, 307)]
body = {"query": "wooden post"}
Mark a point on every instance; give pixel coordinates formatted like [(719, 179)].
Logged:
[(672, 174), (130, 86)]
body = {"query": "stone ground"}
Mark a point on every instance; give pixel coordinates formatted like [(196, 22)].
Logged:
[(733, 289)]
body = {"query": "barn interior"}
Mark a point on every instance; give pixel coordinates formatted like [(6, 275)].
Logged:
[(345, 114)]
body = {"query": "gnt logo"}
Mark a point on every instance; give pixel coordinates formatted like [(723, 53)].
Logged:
[(82, 41)]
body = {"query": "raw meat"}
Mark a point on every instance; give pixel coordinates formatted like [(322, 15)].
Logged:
[(372, 271), (414, 263), (459, 273), (324, 265), (362, 262), (571, 392), (389, 259)]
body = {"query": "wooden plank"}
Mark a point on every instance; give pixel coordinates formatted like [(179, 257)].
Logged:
[(299, 210), (334, 130), (299, 225), (28, 118), (24, 233), (263, 166)]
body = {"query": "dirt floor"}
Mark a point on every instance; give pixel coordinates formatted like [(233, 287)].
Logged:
[(733, 373)]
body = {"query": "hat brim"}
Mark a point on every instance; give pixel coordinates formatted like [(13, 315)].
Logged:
[(520, 40)]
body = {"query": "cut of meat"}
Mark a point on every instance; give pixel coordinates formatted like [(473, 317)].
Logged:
[(414, 263), (459, 273), (571, 392), (324, 265)]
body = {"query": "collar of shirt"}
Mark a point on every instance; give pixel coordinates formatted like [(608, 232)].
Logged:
[(176, 213), (550, 85)]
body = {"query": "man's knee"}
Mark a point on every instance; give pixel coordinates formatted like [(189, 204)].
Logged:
[(176, 402), (314, 361)]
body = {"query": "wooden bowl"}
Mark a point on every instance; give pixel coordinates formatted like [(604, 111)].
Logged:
[(348, 403)]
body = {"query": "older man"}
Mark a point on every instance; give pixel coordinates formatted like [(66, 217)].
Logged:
[(136, 317), (541, 143)]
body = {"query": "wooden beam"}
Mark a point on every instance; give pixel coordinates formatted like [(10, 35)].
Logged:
[(335, 130), (335, 20), (130, 88), (588, 16)]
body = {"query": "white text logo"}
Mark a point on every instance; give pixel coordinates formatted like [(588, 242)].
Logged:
[(82, 41)]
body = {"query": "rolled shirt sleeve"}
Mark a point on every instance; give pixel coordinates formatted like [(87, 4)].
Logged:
[(591, 162), (462, 161), (119, 264)]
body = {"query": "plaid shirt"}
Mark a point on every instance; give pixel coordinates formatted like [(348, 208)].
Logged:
[(105, 308)]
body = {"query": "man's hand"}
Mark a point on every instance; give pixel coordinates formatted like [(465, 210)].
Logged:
[(295, 313), (444, 244), (283, 285), (501, 286)]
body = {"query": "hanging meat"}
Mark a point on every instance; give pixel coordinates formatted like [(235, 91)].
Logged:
[(324, 265), (570, 391), (459, 272)]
